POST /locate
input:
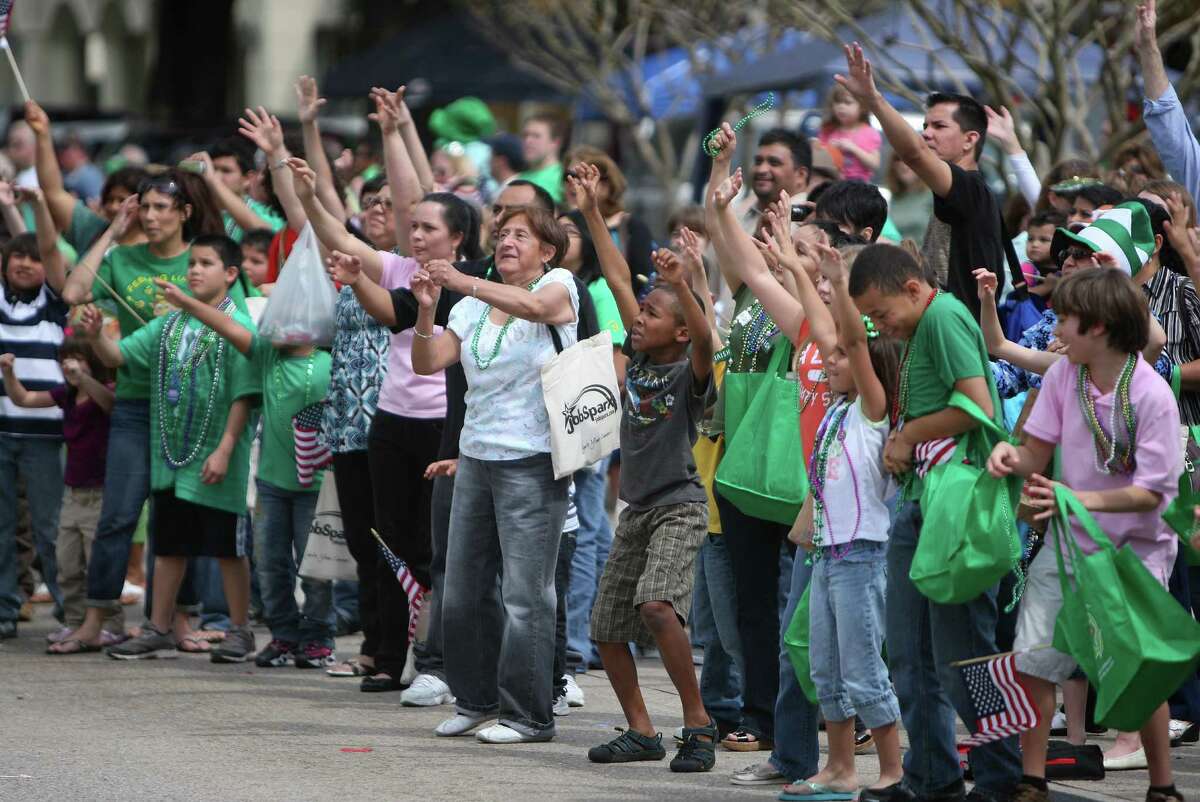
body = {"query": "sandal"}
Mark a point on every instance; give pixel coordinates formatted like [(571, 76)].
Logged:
[(72, 646), (698, 752), (743, 740), (197, 645), (210, 635), (112, 638), (60, 635), (1155, 795), (352, 668), (817, 792), (628, 747)]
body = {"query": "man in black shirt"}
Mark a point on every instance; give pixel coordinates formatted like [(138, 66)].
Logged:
[(945, 155)]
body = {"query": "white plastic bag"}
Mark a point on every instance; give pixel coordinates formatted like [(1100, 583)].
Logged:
[(579, 387), (300, 310), (326, 555)]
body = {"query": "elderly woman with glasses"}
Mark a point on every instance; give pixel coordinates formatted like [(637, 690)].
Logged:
[(172, 208)]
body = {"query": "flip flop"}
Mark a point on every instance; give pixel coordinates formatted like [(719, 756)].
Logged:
[(818, 793), (59, 635), (64, 647), (198, 645)]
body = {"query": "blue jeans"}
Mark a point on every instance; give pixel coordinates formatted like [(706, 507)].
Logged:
[(591, 553), (506, 523), (795, 753), (280, 536), (846, 603), (39, 461), (714, 624), (923, 638)]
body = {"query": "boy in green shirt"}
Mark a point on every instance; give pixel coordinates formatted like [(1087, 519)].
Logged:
[(944, 353), (200, 393), (293, 378)]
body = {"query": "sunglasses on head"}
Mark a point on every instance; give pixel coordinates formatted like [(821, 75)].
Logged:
[(165, 185)]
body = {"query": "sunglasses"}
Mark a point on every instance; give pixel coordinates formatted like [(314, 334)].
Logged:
[(1076, 253), (166, 186)]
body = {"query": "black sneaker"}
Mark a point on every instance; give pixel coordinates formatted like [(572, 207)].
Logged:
[(315, 655), (628, 747), (277, 653), (897, 792), (698, 752)]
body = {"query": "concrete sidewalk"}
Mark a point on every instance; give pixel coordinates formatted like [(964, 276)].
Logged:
[(90, 728)]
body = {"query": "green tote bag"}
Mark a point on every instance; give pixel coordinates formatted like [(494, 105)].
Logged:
[(762, 472), (1133, 640), (969, 537), (1178, 513), (795, 640)]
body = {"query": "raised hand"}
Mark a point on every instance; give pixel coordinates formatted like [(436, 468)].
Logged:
[(8, 195), (669, 267), (690, 250), (729, 189), (585, 183), (860, 78), (985, 283), (261, 128), (90, 321), (32, 195), (1002, 128), (305, 179), (72, 371), (1145, 26), (831, 264), (425, 291), (387, 108), (124, 216), (6, 362), (343, 268), (173, 294), (441, 272), (724, 143), (770, 252), (37, 118), (308, 99)]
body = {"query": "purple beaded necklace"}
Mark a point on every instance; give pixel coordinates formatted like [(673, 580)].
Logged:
[(832, 430)]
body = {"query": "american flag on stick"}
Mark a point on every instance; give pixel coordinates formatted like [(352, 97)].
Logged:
[(411, 587), (6, 7), (1002, 705), (312, 454)]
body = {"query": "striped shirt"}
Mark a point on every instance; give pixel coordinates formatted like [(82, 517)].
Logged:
[(1173, 301), (32, 332)]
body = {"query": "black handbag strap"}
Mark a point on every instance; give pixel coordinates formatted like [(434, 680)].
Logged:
[(558, 346)]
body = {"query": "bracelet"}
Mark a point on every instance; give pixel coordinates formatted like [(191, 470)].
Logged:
[(279, 164), (417, 332), (474, 289)]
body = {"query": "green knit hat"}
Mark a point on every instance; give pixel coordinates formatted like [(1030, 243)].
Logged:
[(1123, 231), (465, 120)]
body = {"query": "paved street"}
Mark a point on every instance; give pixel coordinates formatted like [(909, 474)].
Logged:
[(88, 728)]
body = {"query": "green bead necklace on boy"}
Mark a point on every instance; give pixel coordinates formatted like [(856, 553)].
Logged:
[(1113, 455), (174, 371)]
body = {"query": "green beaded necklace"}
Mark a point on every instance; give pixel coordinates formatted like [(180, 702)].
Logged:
[(900, 403), (765, 106), (484, 364), (1113, 455)]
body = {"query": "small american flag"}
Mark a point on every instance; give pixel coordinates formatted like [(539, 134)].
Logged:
[(412, 588), (312, 454), (5, 16), (1002, 705), (932, 453)]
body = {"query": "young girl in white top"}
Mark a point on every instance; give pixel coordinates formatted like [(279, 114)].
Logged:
[(844, 524)]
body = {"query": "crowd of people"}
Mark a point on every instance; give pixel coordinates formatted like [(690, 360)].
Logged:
[(895, 321)]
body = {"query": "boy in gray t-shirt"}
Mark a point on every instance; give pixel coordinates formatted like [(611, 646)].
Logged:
[(646, 589)]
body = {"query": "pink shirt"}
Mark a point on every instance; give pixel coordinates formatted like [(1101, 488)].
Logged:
[(405, 393), (865, 137), (1158, 453)]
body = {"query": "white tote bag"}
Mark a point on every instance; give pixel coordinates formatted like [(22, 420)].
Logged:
[(326, 555), (579, 386)]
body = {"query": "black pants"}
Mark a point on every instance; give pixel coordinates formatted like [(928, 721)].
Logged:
[(352, 474), (754, 551), (562, 583), (399, 450)]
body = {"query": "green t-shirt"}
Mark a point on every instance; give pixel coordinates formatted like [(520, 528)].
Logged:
[(85, 228), (549, 178), (607, 313), (946, 348), (290, 383), (269, 216), (131, 270), (237, 379)]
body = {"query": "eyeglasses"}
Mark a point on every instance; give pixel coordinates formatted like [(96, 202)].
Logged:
[(386, 203)]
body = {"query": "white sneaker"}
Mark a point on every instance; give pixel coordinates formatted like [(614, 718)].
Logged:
[(503, 734), (561, 707), (1058, 724), (574, 693), (426, 691), (459, 724)]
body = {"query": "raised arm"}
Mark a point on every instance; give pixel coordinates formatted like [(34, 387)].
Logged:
[(308, 107), (1001, 128), (329, 230), (49, 176), (375, 300), (264, 130), (799, 282), (416, 150), (670, 269), (430, 352), (53, 261), (226, 327), (1165, 117), (725, 143), (9, 211), (17, 391), (91, 323), (612, 261), (100, 393), (227, 199), (78, 287), (854, 336), (549, 304), (401, 175), (694, 261), (999, 346), (907, 143)]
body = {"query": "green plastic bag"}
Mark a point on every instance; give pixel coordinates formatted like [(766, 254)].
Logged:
[(762, 472), (1179, 513), (795, 640), (1133, 640), (969, 537)]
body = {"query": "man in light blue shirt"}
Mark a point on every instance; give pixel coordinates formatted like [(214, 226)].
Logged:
[(1165, 118)]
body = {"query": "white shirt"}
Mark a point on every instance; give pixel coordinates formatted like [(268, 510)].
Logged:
[(864, 441), (506, 417)]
